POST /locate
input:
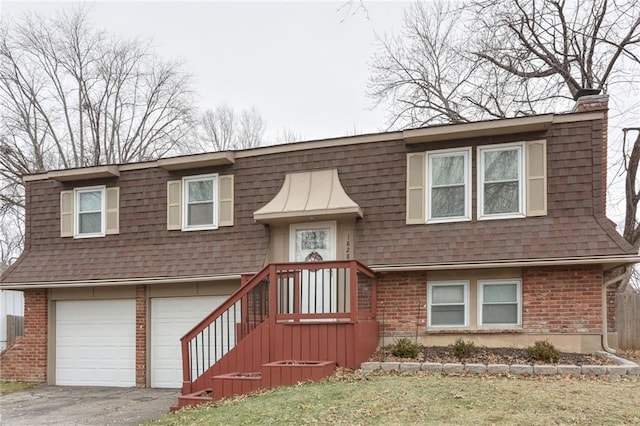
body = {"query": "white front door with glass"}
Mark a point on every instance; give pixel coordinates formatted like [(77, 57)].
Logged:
[(314, 242)]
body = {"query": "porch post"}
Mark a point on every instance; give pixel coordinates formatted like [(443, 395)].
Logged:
[(353, 288), (273, 293)]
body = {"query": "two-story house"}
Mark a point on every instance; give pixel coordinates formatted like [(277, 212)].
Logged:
[(494, 231)]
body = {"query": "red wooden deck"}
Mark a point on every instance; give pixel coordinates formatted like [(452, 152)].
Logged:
[(268, 321)]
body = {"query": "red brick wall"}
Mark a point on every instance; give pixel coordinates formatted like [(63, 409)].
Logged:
[(141, 336), (562, 299), (26, 360), (555, 300), (401, 302)]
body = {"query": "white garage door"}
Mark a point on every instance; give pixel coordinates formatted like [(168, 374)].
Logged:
[(95, 342), (172, 318)]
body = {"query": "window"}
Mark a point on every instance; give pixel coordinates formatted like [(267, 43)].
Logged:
[(500, 183), (449, 191), (448, 303), (200, 198), (499, 302), (90, 217)]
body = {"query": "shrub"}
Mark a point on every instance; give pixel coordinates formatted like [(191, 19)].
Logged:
[(405, 348), (543, 351), (462, 349)]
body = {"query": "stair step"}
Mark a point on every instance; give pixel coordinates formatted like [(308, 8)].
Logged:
[(193, 399), (236, 383)]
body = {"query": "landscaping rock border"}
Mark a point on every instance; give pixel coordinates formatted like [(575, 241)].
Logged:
[(623, 367)]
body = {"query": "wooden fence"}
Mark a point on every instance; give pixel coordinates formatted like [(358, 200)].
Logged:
[(15, 328), (628, 320)]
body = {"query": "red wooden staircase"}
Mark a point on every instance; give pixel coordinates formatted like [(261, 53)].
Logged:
[(291, 322)]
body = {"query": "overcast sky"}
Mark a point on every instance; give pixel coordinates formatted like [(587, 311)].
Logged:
[(302, 64)]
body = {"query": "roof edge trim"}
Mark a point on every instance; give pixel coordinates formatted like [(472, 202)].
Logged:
[(508, 263), (479, 128), (119, 282), (223, 158), (96, 172)]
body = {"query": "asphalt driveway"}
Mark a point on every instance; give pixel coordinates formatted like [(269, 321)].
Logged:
[(63, 405)]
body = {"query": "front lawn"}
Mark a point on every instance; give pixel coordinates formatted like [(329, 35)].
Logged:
[(429, 399), (8, 387)]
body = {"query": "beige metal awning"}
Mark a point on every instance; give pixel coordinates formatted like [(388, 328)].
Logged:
[(312, 195)]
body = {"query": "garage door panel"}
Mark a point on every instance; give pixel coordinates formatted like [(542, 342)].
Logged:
[(172, 318), (95, 342)]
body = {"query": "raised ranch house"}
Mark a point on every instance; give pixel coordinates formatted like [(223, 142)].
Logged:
[(494, 231)]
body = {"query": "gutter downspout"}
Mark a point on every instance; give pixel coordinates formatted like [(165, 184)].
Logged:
[(605, 332)]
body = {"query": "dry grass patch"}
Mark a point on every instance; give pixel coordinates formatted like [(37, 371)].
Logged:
[(8, 387), (630, 354), (432, 399)]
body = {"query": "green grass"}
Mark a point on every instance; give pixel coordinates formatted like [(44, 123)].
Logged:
[(428, 399), (8, 387)]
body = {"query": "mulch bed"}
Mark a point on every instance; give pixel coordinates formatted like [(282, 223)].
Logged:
[(482, 355)]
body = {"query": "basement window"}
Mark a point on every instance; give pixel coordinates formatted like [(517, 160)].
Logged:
[(500, 303), (448, 304)]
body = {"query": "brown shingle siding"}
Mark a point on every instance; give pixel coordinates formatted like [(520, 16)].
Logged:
[(373, 175)]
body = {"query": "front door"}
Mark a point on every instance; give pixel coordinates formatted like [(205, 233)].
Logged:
[(314, 242)]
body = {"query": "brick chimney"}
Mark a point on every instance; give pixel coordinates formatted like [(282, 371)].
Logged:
[(590, 100)]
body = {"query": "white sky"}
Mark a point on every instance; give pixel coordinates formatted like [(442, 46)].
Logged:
[(303, 65)]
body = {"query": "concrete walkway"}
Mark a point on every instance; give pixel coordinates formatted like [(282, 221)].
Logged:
[(63, 405)]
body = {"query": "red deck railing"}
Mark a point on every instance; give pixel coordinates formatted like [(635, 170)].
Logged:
[(282, 293)]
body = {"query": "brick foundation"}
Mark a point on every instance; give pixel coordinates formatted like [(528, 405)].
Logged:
[(402, 299), (26, 360), (562, 299)]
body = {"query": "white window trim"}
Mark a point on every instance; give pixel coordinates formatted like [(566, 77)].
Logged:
[(76, 211), (185, 202), (482, 283), (466, 152), (521, 177), (431, 285)]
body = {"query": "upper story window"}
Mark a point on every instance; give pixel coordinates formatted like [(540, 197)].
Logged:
[(200, 202), (448, 304), (511, 182), (200, 198), (500, 182), (448, 185), (499, 302), (90, 212)]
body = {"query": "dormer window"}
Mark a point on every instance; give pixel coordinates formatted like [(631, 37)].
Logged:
[(200, 211), (448, 185), (501, 182), (90, 212), (200, 202)]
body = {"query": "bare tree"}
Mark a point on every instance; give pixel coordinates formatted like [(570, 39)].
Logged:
[(486, 59), (251, 129), (287, 135), (71, 96), (11, 238), (217, 129), (222, 129), (631, 231), (495, 58)]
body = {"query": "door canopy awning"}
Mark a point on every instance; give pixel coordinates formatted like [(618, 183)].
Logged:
[(312, 195)]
